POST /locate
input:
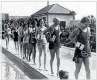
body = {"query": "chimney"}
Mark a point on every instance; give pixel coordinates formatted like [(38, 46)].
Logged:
[(47, 2)]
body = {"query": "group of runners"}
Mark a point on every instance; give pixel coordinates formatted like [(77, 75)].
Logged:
[(36, 34), (27, 37)]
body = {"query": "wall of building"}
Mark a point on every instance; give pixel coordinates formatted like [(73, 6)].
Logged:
[(66, 18)]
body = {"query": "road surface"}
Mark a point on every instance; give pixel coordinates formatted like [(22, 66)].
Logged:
[(66, 63)]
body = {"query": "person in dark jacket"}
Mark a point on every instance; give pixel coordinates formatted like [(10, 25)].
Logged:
[(80, 36)]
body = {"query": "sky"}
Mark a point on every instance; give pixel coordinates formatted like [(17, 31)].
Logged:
[(21, 8)]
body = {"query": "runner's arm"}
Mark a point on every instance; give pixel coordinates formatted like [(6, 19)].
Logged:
[(73, 35)]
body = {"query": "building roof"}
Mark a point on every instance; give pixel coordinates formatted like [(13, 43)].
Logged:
[(54, 8)]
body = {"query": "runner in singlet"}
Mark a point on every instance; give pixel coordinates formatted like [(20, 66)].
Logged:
[(25, 42), (30, 43), (54, 43), (42, 42), (9, 32), (20, 32), (32, 40), (6, 35), (15, 37)]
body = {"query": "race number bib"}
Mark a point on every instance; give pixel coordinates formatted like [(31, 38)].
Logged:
[(79, 45)]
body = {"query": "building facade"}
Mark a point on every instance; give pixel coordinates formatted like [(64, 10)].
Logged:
[(50, 12)]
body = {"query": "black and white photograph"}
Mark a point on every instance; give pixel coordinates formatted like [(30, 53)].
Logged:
[(48, 39)]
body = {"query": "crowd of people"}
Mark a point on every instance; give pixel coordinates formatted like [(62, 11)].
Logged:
[(29, 32), (26, 33)]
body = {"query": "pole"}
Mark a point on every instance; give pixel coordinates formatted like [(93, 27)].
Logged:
[(47, 13), (47, 2)]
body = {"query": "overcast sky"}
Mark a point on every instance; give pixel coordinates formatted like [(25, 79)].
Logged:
[(28, 8)]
